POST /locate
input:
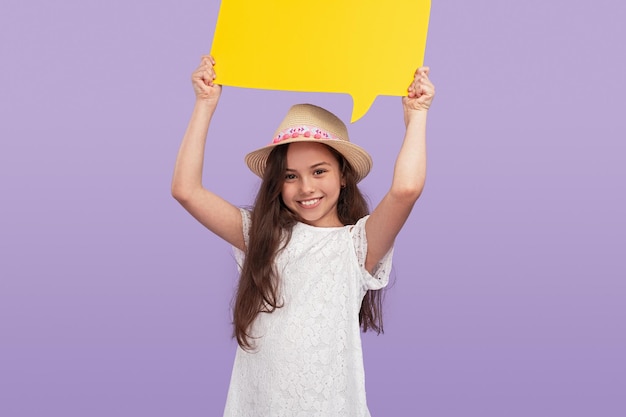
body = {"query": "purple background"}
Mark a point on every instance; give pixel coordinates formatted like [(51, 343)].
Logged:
[(509, 293)]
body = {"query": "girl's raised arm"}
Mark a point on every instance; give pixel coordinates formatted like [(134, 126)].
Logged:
[(217, 214), (409, 174)]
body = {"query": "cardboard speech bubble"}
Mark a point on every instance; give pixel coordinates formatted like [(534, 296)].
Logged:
[(364, 48)]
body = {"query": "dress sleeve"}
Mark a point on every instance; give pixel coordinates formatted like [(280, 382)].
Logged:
[(240, 255), (380, 276)]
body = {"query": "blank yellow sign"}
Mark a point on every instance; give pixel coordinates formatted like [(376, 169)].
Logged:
[(364, 48)]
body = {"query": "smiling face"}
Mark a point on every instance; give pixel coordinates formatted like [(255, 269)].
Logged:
[(312, 184)]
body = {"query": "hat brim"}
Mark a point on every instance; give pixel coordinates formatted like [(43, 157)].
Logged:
[(356, 156)]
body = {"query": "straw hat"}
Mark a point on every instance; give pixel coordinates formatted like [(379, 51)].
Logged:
[(309, 123)]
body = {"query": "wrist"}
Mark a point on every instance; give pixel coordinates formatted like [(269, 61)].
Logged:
[(415, 116), (207, 104)]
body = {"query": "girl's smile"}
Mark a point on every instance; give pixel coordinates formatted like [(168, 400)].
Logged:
[(310, 203)]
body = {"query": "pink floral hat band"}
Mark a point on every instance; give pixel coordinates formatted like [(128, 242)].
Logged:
[(304, 131)]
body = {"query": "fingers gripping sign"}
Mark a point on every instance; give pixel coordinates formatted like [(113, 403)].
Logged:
[(203, 80), (421, 91)]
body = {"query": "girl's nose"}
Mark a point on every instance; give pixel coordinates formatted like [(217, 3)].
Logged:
[(306, 185)]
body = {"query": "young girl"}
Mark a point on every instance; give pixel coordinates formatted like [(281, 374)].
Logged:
[(311, 258)]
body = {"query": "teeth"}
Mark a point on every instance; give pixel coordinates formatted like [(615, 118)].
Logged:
[(309, 202)]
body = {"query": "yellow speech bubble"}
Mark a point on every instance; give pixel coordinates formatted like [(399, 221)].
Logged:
[(364, 48)]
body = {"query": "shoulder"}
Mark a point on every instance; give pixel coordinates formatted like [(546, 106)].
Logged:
[(358, 234), (358, 226)]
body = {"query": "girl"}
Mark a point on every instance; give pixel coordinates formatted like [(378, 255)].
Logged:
[(311, 259)]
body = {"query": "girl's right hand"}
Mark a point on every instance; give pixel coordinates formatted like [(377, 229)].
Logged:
[(202, 81)]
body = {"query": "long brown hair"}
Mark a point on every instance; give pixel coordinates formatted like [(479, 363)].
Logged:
[(270, 231)]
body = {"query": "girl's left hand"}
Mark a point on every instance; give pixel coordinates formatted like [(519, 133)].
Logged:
[(420, 93)]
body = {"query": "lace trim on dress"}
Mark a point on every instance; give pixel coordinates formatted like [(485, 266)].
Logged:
[(245, 221), (380, 276)]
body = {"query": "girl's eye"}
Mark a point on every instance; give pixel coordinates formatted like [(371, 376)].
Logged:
[(319, 171), (290, 177)]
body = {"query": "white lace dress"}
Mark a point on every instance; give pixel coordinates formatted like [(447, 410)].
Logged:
[(308, 359)]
